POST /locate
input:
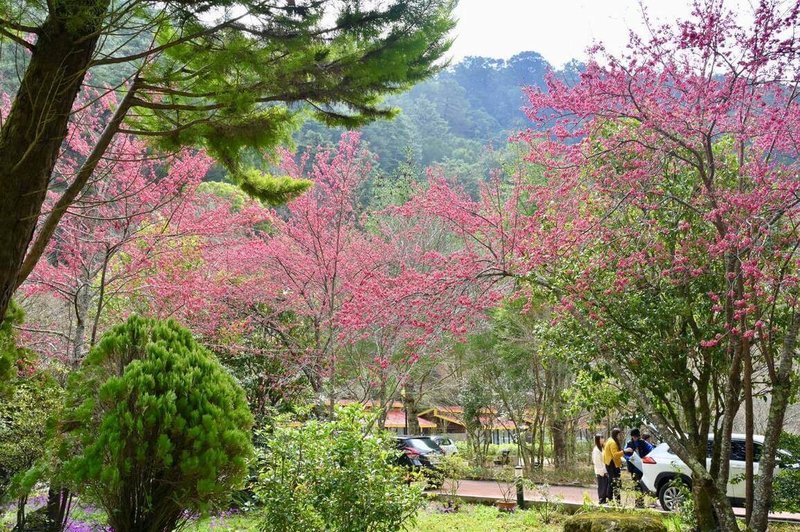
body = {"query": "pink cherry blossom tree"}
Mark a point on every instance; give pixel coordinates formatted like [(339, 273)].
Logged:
[(369, 286), (317, 250), (665, 224), (146, 236), (401, 320), (131, 203)]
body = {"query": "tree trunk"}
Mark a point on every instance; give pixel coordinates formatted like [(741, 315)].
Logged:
[(410, 403), (557, 433), (21, 502), (534, 440), (32, 134), (82, 301), (726, 520), (703, 509), (705, 488), (781, 393), (762, 497), (58, 507), (747, 386)]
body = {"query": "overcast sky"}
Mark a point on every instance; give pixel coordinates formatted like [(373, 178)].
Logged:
[(560, 30)]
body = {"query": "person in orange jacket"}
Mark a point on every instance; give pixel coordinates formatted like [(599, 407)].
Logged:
[(612, 458)]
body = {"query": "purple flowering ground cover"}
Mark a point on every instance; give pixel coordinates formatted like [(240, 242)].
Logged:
[(88, 518)]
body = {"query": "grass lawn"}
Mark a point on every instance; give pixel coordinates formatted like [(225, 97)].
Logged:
[(474, 518), (471, 518)]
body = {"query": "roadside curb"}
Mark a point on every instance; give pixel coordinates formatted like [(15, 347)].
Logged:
[(567, 507)]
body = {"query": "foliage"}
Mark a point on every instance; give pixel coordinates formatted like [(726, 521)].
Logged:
[(24, 416), (614, 521), (231, 84), (663, 224), (271, 379), (475, 399), (334, 476), (479, 518), (317, 254), (369, 288), (506, 481), (787, 491), (786, 494), (155, 428), (530, 378), (116, 230), (452, 468), (449, 119), (471, 518), (549, 506), (12, 357), (149, 238)]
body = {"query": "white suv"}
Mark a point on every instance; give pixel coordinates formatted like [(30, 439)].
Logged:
[(662, 467), (447, 444)]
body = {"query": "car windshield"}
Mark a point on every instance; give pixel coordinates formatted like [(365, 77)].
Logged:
[(424, 445), (787, 459)]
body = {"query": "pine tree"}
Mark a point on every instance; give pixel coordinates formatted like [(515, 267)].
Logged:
[(155, 428)]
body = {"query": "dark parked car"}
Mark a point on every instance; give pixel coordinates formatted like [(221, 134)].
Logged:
[(420, 453)]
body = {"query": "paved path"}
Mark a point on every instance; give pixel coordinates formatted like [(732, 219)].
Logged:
[(569, 494), (491, 490)]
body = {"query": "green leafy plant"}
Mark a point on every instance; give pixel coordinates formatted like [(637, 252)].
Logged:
[(786, 489), (453, 468), (506, 482), (24, 416), (10, 354), (155, 429), (333, 476), (550, 506)]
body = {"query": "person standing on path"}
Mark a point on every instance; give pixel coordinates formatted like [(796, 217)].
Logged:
[(635, 450), (612, 458), (600, 469)]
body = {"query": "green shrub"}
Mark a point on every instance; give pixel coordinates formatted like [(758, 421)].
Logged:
[(786, 488), (155, 428), (10, 353), (614, 522), (331, 476), (453, 469), (24, 414), (786, 491)]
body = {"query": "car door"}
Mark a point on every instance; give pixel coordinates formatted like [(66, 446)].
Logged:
[(444, 443), (736, 469), (736, 484)]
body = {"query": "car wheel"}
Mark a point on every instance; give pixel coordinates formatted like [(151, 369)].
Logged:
[(670, 495)]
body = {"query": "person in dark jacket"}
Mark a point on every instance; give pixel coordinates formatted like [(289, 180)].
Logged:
[(641, 448)]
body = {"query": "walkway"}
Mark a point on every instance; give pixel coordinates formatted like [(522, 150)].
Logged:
[(488, 489)]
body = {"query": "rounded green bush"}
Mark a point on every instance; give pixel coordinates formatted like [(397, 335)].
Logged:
[(155, 429), (331, 476), (614, 522)]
